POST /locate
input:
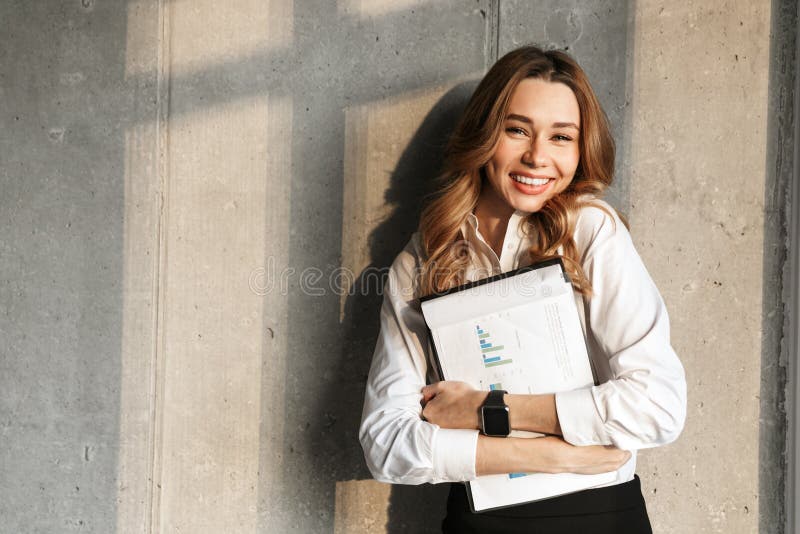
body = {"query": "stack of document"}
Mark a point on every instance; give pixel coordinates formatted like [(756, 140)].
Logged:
[(520, 332)]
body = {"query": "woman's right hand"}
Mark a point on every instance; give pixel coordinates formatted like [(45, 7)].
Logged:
[(563, 457)]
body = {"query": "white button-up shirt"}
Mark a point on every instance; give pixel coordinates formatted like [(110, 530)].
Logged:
[(640, 401)]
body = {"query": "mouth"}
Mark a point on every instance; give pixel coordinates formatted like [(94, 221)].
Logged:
[(531, 185)]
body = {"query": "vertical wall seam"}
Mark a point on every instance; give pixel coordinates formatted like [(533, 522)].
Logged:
[(624, 157), (492, 45), (155, 438), (791, 308), (776, 407)]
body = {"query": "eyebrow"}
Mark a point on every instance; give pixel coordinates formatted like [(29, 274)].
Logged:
[(526, 120)]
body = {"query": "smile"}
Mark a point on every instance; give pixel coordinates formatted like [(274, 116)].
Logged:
[(530, 181)]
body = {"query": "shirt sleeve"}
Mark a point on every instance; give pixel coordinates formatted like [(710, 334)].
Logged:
[(643, 401), (399, 446)]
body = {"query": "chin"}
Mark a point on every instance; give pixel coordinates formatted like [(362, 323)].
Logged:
[(528, 205)]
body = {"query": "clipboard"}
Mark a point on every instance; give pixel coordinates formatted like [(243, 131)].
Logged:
[(519, 331)]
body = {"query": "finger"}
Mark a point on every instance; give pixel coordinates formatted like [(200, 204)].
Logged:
[(427, 415), (429, 391)]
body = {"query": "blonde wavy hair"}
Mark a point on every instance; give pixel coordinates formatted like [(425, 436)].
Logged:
[(472, 145)]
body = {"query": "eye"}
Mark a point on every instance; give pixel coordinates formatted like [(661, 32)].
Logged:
[(516, 130), (562, 138)]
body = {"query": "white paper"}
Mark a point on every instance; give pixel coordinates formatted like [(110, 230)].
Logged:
[(495, 296), (522, 336)]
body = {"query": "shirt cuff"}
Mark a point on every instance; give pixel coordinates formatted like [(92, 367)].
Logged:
[(454, 453), (579, 419)]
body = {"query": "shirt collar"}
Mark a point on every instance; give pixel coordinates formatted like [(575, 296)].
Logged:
[(515, 219)]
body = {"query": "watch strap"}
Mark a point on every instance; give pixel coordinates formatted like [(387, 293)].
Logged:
[(495, 398)]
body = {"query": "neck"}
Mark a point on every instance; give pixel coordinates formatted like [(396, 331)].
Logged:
[(493, 215)]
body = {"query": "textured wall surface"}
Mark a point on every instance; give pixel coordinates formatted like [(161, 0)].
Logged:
[(699, 119), (196, 197), (66, 110)]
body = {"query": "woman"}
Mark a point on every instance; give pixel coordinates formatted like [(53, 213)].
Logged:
[(525, 170)]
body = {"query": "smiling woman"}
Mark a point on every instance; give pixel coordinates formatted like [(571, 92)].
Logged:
[(525, 171), (537, 154), (534, 115)]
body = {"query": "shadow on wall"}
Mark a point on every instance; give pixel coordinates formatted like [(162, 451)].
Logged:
[(411, 508)]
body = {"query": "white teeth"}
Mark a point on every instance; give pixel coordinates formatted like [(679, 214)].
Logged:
[(530, 181)]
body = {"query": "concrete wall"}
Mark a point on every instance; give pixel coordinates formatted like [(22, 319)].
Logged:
[(183, 183), (697, 196)]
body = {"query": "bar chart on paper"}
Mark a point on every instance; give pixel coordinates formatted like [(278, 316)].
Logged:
[(496, 341), (492, 355), (525, 348)]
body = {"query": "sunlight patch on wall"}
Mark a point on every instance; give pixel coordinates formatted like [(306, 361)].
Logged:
[(376, 8), (215, 231), (139, 309), (207, 32), (698, 147), (274, 317), (376, 134), (361, 507), (141, 37), (140, 271)]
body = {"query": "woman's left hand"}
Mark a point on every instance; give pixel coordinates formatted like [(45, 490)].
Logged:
[(452, 404)]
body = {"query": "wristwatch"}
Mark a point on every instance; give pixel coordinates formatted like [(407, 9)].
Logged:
[(494, 415)]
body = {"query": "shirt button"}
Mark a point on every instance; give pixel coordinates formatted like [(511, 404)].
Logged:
[(510, 246)]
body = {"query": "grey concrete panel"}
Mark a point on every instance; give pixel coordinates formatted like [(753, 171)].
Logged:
[(782, 155), (61, 173), (597, 35), (699, 106)]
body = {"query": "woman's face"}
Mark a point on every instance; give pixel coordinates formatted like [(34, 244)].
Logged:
[(538, 151)]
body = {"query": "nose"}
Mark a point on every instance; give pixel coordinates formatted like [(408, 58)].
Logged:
[(536, 154)]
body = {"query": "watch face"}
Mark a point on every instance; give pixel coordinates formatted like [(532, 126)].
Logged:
[(495, 420)]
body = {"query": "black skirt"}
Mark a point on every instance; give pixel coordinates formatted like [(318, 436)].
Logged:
[(618, 509)]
